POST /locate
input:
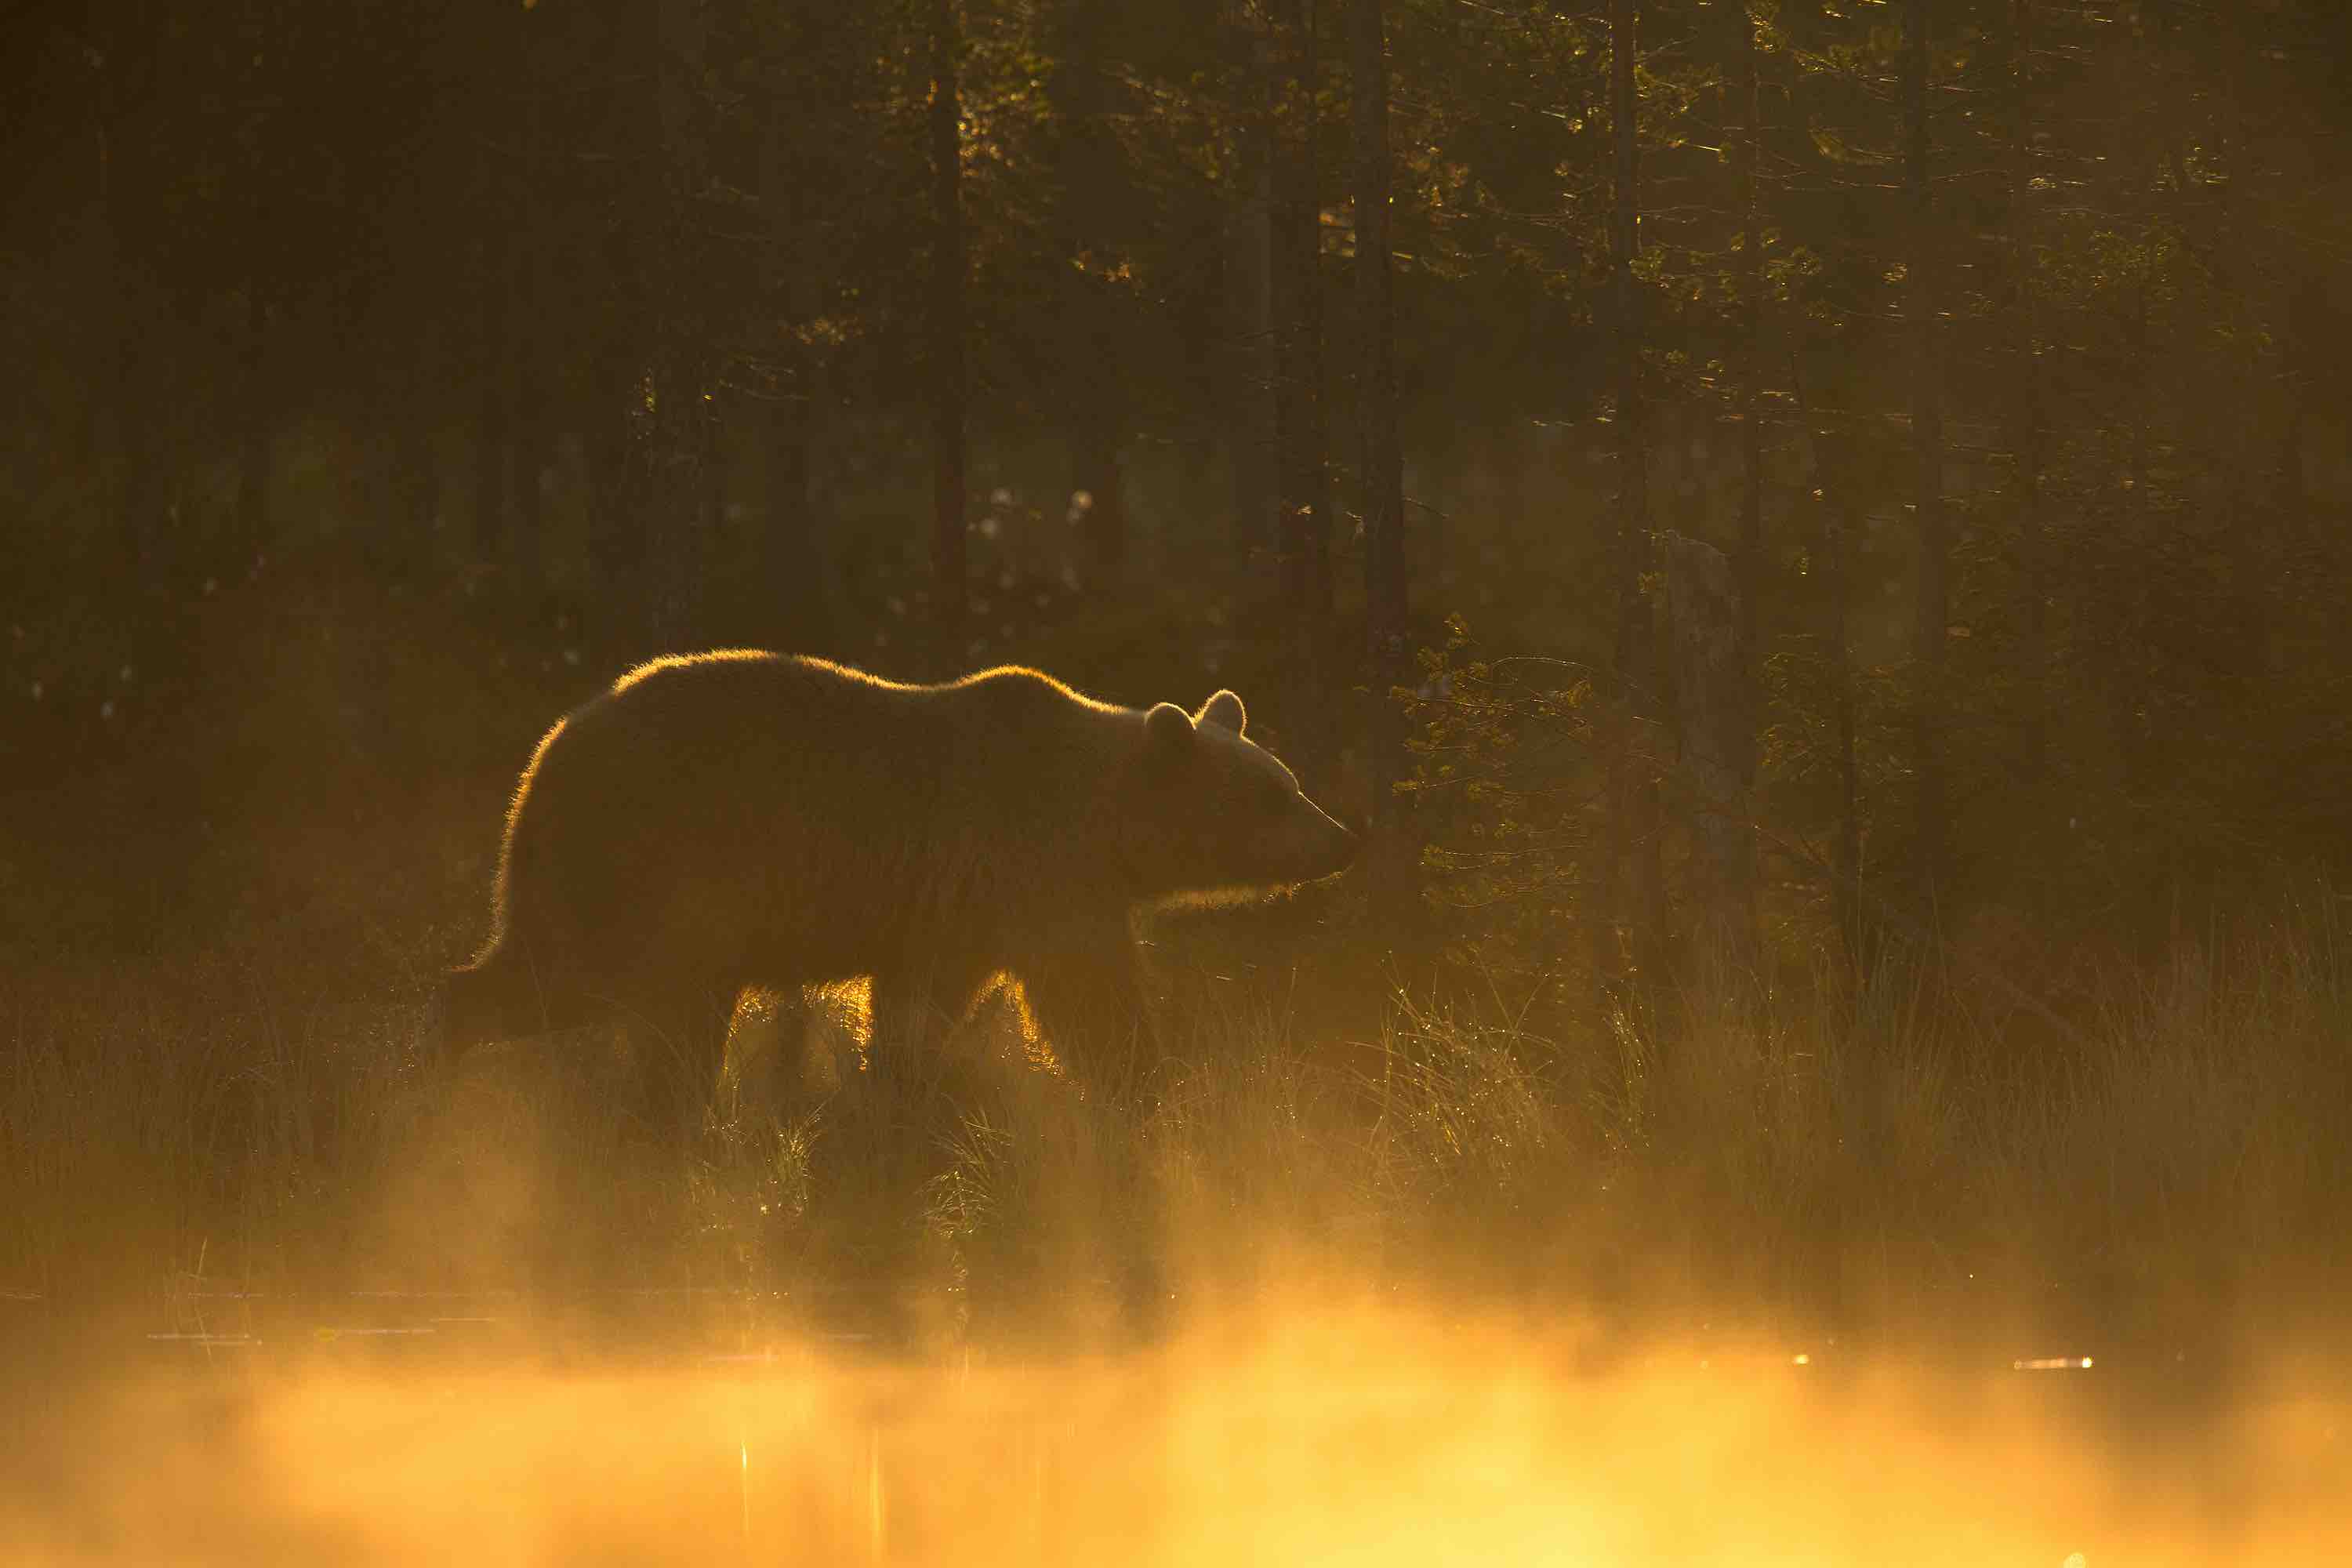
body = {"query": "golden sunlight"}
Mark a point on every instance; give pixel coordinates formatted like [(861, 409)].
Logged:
[(1317, 1433)]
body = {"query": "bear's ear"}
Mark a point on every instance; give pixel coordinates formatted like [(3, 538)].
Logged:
[(1168, 729), (1225, 711)]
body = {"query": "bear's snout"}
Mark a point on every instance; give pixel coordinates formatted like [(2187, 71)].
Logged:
[(1333, 846)]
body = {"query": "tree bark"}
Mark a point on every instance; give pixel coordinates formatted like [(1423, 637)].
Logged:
[(798, 610), (257, 413), (493, 366), (1745, 721), (1251, 284), (531, 417), (1092, 381), (1636, 871), (676, 450), (1391, 855), (1833, 493), (622, 530), (126, 84), (949, 573), (2028, 439), (1705, 614), (1922, 304), (1303, 538)]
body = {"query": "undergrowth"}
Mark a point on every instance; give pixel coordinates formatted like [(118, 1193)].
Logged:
[(1889, 1159)]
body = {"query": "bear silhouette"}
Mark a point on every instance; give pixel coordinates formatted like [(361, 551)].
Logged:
[(741, 819)]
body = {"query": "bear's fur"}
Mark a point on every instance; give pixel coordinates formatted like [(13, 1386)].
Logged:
[(743, 819)]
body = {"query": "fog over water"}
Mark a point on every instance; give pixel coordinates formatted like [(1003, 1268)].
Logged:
[(1330, 1428)]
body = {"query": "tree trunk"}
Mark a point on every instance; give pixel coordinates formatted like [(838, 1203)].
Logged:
[(531, 417), (1922, 304), (1391, 855), (798, 610), (677, 479), (1745, 721), (256, 412), (621, 528), (2028, 441), (949, 585), (493, 370), (1251, 280), (1845, 855), (1091, 380), (1832, 490), (1303, 539), (126, 86), (1201, 305), (1635, 866), (1704, 613)]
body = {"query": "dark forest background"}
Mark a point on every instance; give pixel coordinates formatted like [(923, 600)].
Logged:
[(1772, 489), (383, 378)]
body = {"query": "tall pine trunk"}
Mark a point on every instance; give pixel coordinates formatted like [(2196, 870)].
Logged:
[(797, 607), (1391, 855), (493, 366), (1092, 382), (126, 83), (1923, 303), (256, 412), (676, 450), (2029, 440), (1739, 877), (533, 416), (1303, 540), (949, 573), (620, 532), (1250, 302), (1831, 489), (1636, 877)]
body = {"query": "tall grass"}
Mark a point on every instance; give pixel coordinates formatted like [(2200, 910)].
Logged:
[(1895, 1158)]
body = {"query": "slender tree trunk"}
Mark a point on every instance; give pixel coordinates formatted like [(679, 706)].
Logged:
[(2133, 702), (798, 611), (531, 418), (1750, 553), (1303, 539), (949, 586), (1833, 529), (1636, 871), (1845, 857), (256, 412), (677, 455), (1199, 306), (1091, 380), (1747, 574), (622, 530), (2028, 441), (1252, 284), (1923, 302), (494, 371), (1314, 513), (127, 71), (1391, 861)]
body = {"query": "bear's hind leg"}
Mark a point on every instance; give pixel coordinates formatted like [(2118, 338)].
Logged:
[(677, 1038)]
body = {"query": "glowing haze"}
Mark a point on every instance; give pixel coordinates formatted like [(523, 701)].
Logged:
[(1320, 1433)]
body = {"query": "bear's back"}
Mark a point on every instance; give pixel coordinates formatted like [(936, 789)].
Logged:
[(759, 792)]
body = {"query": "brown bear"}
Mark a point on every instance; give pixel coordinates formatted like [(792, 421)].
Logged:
[(741, 819)]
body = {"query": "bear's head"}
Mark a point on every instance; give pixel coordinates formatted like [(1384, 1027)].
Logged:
[(1218, 813)]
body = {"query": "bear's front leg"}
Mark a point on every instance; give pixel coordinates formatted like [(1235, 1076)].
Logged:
[(1086, 993), (914, 1002)]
